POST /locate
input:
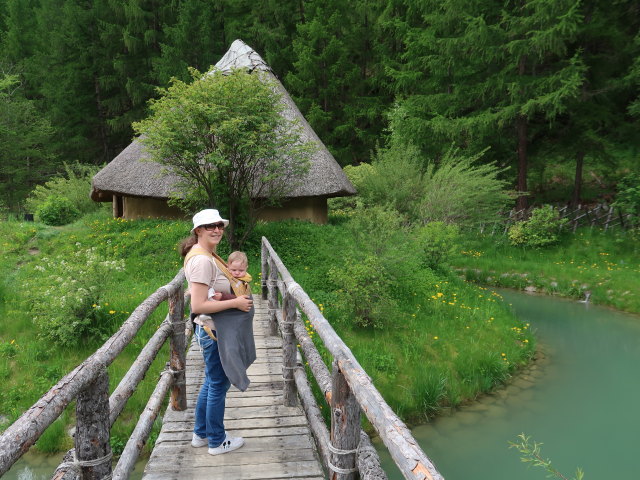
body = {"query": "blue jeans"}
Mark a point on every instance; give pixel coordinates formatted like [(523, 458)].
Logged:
[(210, 405)]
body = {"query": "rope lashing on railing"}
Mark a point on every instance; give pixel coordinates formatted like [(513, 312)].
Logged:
[(76, 464), (338, 451)]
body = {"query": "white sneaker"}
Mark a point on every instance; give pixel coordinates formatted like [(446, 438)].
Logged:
[(197, 441), (228, 445)]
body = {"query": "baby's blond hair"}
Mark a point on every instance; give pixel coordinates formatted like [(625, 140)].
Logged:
[(238, 256)]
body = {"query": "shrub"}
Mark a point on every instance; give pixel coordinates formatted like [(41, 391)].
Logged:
[(57, 211), (74, 184), (437, 242), (456, 189), (628, 196), (65, 293), (540, 230), (364, 292)]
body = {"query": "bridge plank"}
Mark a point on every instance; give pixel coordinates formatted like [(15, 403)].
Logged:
[(278, 443)]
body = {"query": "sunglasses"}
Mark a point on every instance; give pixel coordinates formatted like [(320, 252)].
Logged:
[(212, 226)]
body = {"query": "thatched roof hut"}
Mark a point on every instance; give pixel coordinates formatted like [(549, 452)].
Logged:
[(140, 188)]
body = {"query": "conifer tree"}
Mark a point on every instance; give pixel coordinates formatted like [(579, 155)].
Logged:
[(195, 40), (335, 74), (66, 77), (490, 73), (23, 135), (132, 30)]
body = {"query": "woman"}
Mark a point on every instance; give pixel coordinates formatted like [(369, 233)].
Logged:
[(203, 273)]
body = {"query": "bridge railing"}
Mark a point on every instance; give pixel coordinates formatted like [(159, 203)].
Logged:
[(96, 411), (345, 449)]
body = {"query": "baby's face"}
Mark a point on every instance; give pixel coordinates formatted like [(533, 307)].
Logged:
[(237, 268)]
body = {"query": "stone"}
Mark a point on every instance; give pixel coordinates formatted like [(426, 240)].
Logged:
[(530, 289)]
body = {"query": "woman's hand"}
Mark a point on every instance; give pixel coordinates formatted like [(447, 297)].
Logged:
[(243, 302)]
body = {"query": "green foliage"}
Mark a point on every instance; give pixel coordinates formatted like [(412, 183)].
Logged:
[(365, 292), (23, 135), (456, 189), (56, 211), (117, 444), (604, 263), (74, 184), (531, 454), (224, 135), (628, 196), (66, 291), (540, 230), (437, 243)]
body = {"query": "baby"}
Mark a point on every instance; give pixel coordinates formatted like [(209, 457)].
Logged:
[(237, 263)]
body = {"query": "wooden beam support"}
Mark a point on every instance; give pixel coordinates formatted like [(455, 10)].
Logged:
[(289, 350), (93, 449), (141, 433), (272, 283), (345, 428), (264, 272), (178, 355)]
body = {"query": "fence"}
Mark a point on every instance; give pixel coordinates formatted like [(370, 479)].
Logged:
[(96, 411), (602, 216), (344, 450)]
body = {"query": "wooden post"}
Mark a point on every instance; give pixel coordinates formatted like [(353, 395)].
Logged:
[(178, 355), (345, 428), (273, 297), (264, 263), (93, 450), (576, 217), (606, 225), (290, 399)]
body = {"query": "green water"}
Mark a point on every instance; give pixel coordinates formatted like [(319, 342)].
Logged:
[(581, 401)]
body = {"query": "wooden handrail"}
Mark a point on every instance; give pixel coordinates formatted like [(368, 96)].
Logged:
[(25, 431), (411, 460)]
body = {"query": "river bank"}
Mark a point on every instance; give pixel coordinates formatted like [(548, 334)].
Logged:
[(603, 267), (579, 401)]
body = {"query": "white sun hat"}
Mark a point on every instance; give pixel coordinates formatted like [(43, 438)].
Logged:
[(205, 217)]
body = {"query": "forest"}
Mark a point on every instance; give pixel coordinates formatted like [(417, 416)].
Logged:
[(547, 89)]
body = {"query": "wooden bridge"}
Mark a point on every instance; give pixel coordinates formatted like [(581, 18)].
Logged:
[(278, 442), (286, 435)]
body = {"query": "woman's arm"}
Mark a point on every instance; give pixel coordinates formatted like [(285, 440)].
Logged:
[(200, 304)]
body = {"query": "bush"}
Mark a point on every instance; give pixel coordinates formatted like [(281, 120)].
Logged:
[(57, 211), (65, 295), (437, 242), (74, 184), (628, 196), (540, 230), (456, 189), (364, 292)]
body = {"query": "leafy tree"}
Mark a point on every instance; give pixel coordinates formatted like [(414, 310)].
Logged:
[(23, 134), (225, 137)]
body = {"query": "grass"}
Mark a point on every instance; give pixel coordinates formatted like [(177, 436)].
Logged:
[(447, 342), (605, 264)]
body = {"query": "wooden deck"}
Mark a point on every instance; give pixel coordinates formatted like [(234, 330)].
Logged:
[(278, 442)]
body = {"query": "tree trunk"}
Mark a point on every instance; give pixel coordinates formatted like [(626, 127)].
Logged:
[(577, 185), (521, 126)]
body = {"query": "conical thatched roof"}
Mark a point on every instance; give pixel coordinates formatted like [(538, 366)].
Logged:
[(129, 175)]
